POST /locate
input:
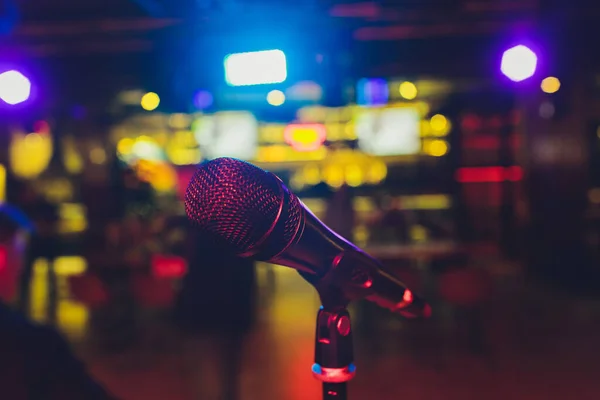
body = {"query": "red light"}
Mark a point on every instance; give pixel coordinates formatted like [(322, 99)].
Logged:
[(184, 176), (168, 266), (489, 174), (3, 258), (427, 311), (495, 122), (305, 137), (514, 174), (41, 127), (470, 122), (481, 142)]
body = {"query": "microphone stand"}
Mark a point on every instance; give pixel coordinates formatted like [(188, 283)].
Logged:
[(334, 354), (334, 358), (342, 282)]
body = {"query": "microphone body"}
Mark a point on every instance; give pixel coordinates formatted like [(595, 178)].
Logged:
[(251, 212), (328, 261)]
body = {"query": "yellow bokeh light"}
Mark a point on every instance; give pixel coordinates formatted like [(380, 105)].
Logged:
[(179, 121), (73, 218), (98, 156), (408, 90), (361, 235), (276, 98), (354, 175), (334, 176), (550, 85), (436, 148), (305, 136), (2, 183), (184, 156), (125, 146), (377, 172), (72, 160), (439, 125), (57, 190), (311, 175), (72, 318), (150, 101), (297, 181), (164, 177), (418, 233), (30, 154), (350, 131), (70, 265)]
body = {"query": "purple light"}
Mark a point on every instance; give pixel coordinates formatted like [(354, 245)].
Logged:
[(518, 63), (372, 92), (203, 99), (15, 88)]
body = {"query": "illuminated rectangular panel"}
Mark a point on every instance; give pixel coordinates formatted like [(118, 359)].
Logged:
[(489, 174), (255, 68), (227, 134), (388, 131)]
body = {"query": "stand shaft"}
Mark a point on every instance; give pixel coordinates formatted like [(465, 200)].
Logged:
[(334, 359)]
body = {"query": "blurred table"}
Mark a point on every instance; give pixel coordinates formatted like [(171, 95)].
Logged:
[(414, 263), (423, 252)]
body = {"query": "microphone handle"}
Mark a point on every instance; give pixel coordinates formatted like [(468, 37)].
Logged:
[(358, 275)]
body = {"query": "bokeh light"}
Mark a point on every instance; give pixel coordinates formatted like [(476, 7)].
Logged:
[(518, 63), (547, 110), (150, 101), (98, 155), (372, 92), (276, 98), (255, 68), (15, 88), (408, 90), (203, 99), (550, 85), (436, 148), (2, 183), (439, 125), (30, 154)]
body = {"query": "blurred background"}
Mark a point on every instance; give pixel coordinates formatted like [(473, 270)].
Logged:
[(457, 141)]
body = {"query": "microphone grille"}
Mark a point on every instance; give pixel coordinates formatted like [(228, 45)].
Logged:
[(235, 204)]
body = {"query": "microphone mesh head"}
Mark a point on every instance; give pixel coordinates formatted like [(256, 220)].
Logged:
[(235, 204)]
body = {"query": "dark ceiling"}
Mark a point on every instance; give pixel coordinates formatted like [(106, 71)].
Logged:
[(129, 42)]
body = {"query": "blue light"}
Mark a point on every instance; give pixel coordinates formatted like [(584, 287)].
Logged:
[(316, 368), (203, 99), (370, 92), (255, 68)]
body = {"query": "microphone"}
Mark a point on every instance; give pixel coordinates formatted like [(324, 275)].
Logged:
[(245, 210)]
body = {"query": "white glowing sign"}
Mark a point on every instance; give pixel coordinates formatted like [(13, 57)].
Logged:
[(388, 131), (227, 134)]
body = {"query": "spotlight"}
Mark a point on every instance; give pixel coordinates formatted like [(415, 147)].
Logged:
[(519, 63), (15, 88)]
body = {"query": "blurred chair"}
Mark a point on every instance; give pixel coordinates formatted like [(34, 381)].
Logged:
[(468, 291), (89, 290), (155, 298)]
